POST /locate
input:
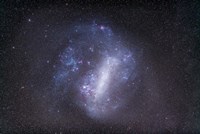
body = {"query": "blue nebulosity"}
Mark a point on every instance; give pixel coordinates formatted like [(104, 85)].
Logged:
[(68, 68), (96, 64)]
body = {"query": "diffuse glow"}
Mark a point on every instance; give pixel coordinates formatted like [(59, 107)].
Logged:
[(107, 65), (105, 71)]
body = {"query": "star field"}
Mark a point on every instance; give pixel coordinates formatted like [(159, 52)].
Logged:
[(99, 67)]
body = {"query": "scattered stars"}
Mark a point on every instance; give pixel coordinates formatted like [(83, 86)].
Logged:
[(91, 49), (129, 67)]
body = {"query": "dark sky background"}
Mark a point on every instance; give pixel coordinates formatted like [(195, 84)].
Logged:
[(165, 37)]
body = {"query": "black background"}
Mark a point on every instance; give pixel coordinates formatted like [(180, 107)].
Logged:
[(166, 32)]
